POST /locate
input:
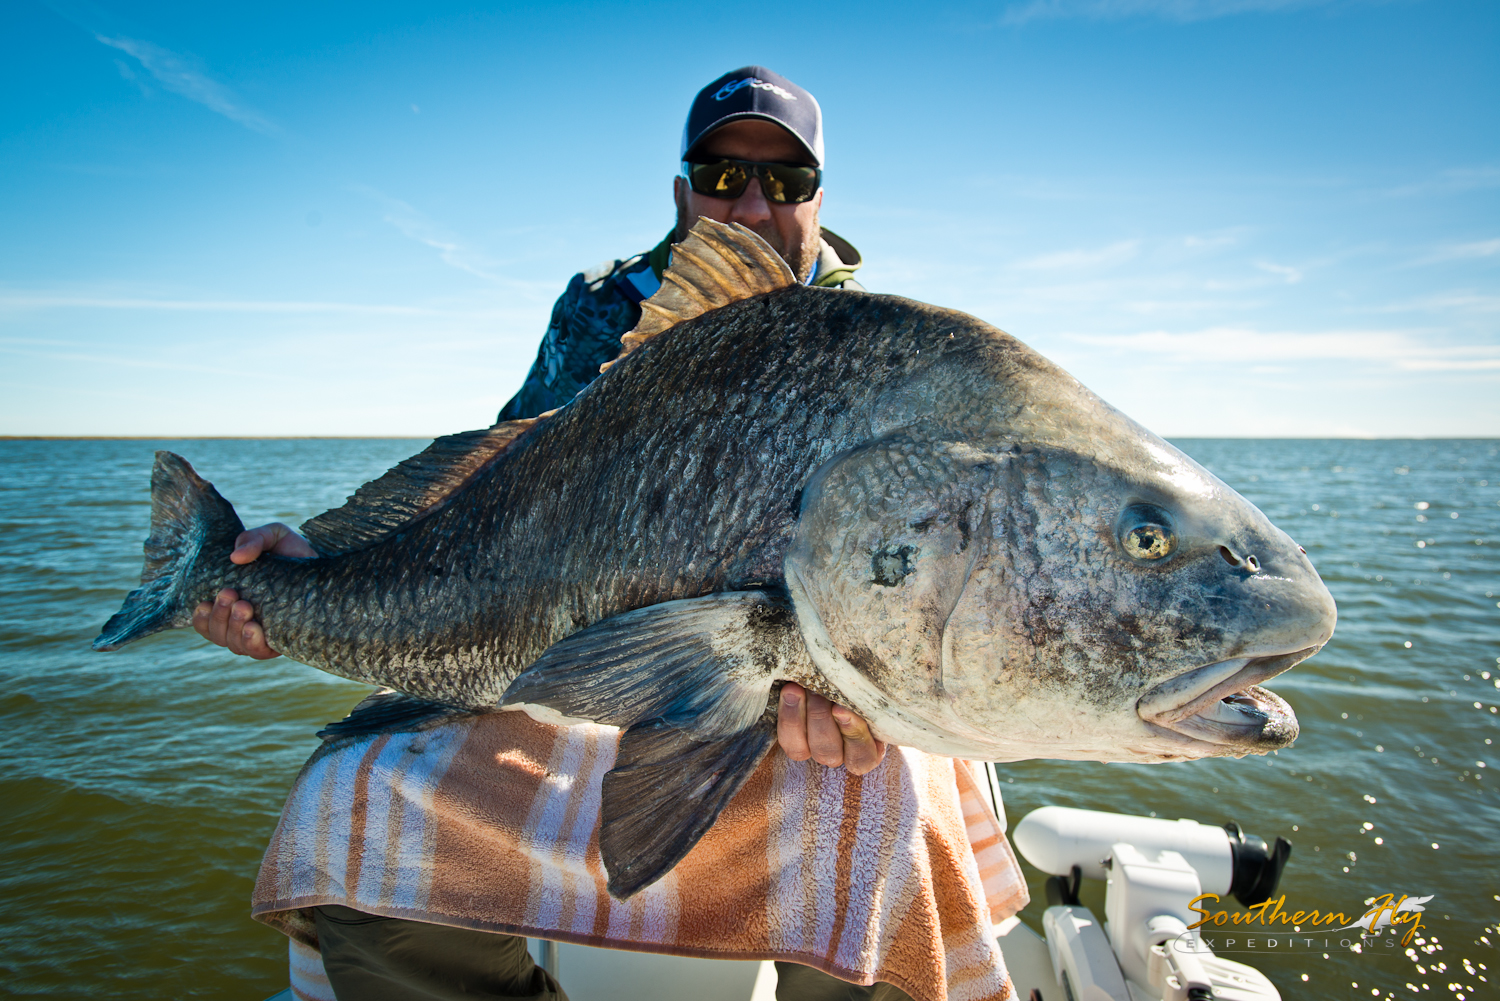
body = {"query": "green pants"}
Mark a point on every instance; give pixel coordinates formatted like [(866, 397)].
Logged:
[(371, 958)]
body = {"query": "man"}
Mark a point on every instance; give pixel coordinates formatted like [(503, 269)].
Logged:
[(742, 116), (752, 153)]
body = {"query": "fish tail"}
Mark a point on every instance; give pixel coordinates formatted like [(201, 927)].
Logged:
[(189, 521)]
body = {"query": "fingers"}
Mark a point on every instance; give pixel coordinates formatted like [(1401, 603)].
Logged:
[(200, 617), (791, 722), (250, 544), (292, 544), (230, 622), (862, 752), (809, 726), (273, 538), (805, 727), (213, 620), (823, 734), (252, 637)]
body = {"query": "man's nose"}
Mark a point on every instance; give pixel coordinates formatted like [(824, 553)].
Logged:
[(751, 207)]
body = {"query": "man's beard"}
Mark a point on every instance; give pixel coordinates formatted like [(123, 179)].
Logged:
[(801, 259)]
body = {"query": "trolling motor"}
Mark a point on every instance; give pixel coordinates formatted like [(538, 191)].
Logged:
[(1154, 868)]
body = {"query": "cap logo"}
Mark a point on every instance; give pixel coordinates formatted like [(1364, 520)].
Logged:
[(753, 81)]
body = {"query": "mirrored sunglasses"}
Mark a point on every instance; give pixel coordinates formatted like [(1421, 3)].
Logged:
[(781, 182)]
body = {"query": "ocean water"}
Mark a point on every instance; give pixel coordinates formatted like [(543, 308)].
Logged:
[(140, 787)]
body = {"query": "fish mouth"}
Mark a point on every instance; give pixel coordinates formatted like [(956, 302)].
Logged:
[(1222, 705)]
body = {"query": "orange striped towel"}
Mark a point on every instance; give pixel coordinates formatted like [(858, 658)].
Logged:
[(492, 823)]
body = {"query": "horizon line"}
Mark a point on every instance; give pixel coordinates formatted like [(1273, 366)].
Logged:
[(215, 437), (407, 437)]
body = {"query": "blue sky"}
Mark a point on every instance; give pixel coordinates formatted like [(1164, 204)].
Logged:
[(1228, 217)]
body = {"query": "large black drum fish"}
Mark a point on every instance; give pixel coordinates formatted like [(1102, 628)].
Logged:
[(896, 505)]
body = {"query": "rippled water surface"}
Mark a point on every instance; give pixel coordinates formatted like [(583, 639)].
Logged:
[(140, 787)]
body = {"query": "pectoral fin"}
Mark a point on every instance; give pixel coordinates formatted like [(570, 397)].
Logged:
[(704, 664), (690, 681), (664, 793)]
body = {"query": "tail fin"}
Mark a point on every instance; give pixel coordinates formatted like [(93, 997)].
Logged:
[(187, 516)]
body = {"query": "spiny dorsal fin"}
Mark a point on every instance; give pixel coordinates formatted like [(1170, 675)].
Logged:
[(717, 264), (413, 488)]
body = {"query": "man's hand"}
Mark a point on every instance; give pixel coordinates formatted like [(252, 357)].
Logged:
[(230, 622), (809, 726)]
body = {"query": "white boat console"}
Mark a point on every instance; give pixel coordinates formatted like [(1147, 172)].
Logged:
[(1154, 869)]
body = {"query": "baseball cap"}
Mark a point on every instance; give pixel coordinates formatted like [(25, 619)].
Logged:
[(755, 92)]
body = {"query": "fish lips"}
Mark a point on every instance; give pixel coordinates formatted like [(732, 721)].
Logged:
[(1223, 706)]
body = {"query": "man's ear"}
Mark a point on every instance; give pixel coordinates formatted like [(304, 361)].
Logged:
[(679, 190)]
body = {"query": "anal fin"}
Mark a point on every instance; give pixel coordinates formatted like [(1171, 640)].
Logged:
[(666, 790), (388, 711)]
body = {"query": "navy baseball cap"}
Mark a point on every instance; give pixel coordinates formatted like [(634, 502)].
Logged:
[(755, 92)]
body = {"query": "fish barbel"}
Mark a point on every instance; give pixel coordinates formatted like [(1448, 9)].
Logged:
[(893, 504)]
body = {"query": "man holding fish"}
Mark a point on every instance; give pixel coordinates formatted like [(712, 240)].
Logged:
[(752, 154), (583, 624)]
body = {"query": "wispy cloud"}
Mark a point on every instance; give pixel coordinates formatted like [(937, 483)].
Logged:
[(115, 360), (178, 74), (417, 225), (1284, 271), (126, 73), (1456, 301), (1461, 252), (28, 301), (1115, 253), (1170, 10), (1451, 365), (1167, 307), (1409, 350), (1209, 242), (1242, 344), (1452, 181)]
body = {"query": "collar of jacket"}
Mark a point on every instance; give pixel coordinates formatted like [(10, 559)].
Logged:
[(837, 261)]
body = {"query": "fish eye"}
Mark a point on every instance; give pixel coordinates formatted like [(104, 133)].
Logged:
[(1146, 532)]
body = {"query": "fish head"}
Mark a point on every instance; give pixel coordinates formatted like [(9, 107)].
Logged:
[(1006, 601)]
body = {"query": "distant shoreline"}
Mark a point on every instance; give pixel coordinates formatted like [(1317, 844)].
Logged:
[(214, 437), (384, 437)]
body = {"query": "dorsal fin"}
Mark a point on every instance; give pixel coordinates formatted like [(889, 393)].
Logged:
[(717, 264), (412, 489)]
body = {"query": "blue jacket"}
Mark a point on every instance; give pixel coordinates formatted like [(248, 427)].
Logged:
[(603, 304)]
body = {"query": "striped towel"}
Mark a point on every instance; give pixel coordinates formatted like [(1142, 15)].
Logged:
[(490, 823)]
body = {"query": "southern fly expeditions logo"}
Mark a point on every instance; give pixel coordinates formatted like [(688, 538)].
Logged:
[(729, 88), (1388, 919)]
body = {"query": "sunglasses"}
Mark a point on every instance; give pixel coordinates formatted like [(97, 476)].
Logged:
[(781, 182)]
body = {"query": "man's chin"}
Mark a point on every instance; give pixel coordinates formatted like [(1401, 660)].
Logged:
[(803, 257)]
